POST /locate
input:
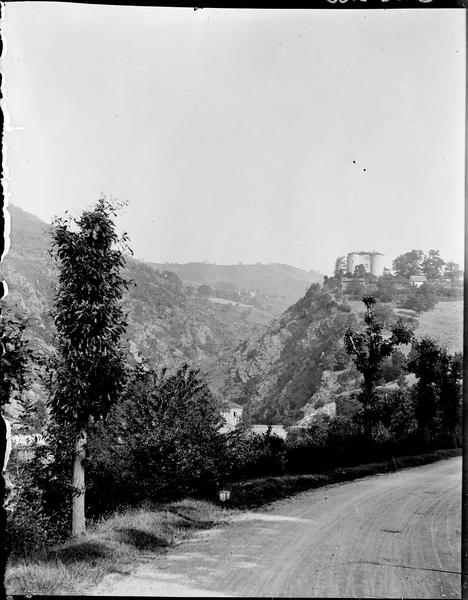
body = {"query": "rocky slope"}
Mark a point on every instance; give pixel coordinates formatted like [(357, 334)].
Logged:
[(277, 374)]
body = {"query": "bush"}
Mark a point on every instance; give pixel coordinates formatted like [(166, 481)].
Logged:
[(34, 521), (160, 443), (247, 455), (421, 298)]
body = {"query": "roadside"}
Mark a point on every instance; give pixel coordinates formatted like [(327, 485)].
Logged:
[(118, 544), (112, 545), (392, 535)]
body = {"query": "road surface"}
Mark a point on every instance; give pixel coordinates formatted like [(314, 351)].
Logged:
[(386, 536)]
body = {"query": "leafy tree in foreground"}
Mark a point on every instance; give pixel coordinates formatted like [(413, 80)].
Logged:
[(89, 372), (369, 349), (437, 392), (450, 396)]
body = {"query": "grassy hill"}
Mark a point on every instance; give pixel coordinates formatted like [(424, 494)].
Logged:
[(444, 322)]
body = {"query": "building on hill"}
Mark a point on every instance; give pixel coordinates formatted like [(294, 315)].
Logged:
[(372, 261), (417, 280), (232, 414)]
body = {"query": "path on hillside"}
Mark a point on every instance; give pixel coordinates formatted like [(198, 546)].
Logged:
[(394, 536)]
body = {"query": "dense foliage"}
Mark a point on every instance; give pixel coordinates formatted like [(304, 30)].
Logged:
[(16, 356), (369, 349), (162, 440), (89, 370)]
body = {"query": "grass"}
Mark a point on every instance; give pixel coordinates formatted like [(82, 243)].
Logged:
[(111, 545), (444, 323)]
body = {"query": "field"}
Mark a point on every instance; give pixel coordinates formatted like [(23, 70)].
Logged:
[(444, 322)]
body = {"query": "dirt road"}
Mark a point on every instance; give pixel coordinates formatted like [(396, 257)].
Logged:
[(393, 536)]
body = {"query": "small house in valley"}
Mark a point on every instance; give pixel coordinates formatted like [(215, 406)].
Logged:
[(232, 414), (417, 280)]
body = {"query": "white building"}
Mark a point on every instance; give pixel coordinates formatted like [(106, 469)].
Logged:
[(417, 280), (232, 414), (373, 262)]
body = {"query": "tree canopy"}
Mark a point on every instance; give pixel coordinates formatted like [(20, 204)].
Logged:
[(88, 314), (407, 264)]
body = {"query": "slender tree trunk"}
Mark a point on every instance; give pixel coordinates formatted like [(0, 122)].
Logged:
[(78, 482)]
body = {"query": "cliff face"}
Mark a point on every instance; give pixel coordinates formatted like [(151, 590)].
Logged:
[(276, 374)]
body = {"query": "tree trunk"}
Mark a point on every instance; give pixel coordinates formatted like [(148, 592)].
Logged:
[(78, 482)]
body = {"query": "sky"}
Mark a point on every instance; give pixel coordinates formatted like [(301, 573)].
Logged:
[(290, 136)]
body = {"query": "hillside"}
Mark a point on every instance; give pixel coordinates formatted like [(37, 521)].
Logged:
[(296, 367), (272, 287), (276, 374), (281, 369), (166, 325)]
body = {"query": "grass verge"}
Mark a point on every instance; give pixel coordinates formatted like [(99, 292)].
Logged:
[(256, 492), (111, 545)]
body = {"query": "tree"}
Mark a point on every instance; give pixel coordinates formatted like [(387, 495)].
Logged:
[(369, 349), (360, 271), (394, 367), (205, 290), (89, 371), (453, 271), (161, 440), (432, 265), (15, 356), (385, 288), (450, 396), (32, 412), (424, 362), (340, 266), (438, 394), (355, 289), (408, 264), (421, 298)]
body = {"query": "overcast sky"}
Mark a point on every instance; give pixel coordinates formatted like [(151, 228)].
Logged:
[(286, 136)]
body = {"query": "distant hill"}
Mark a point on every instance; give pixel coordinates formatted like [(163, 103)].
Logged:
[(272, 287), (166, 325)]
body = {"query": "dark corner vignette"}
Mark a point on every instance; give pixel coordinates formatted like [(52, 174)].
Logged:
[(3, 423)]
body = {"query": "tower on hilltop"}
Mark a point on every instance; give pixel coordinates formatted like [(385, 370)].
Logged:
[(372, 261)]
